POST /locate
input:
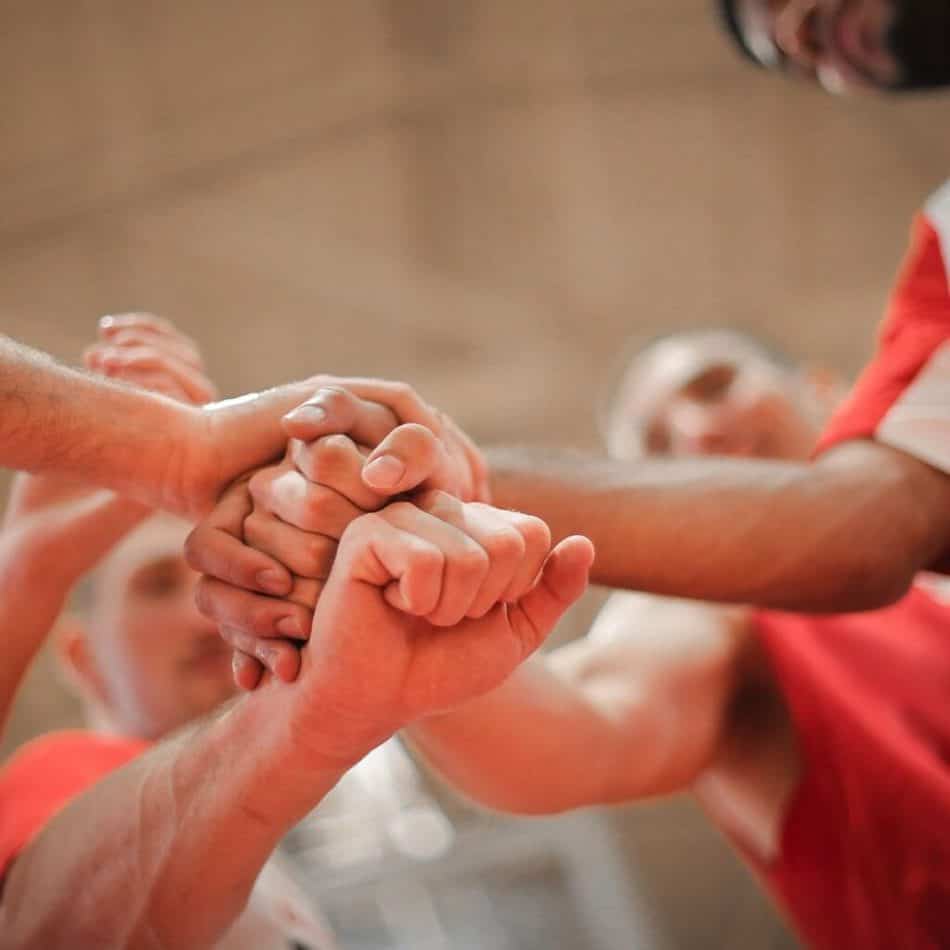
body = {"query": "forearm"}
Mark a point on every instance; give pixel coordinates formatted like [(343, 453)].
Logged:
[(846, 533), (164, 852), (41, 559), (57, 419), (535, 745)]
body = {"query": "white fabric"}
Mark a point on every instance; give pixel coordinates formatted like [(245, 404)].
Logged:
[(277, 914), (919, 421)]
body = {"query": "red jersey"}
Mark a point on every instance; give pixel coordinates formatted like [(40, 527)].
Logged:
[(864, 859), (903, 397), (45, 774)]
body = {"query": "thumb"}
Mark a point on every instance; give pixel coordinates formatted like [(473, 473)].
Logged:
[(407, 457), (563, 579)]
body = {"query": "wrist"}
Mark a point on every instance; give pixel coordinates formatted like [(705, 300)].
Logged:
[(286, 769)]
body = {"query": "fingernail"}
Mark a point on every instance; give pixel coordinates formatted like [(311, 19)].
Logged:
[(384, 473), (272, 581), (307, 414), (107, 322), (290, 627)]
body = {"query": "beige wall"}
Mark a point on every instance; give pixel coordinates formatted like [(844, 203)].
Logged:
[(485, 198)]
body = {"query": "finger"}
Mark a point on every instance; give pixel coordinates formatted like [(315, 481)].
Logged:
[(516, 545), (400, 398), (254, 614), (465, 563), (116, 322), (336, 462), (334, 409), (177, 345), (215, 547), (115, 361), (280, 657), (563, 579), (405, 459), (247, 670), (537, 545), (303, 553), (306, 592), (302, 504), (407, 568)]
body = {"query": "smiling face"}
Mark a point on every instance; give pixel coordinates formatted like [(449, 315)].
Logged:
[(712, 393), (847, 45), (146, 654)]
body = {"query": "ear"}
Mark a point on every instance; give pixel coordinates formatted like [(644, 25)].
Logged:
[(76, 661)]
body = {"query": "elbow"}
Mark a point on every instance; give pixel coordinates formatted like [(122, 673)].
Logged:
[(873, 580)]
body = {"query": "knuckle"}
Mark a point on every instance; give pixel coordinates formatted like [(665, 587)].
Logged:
[(506, 544), (474, 560), (434, 501), (334, 398), (363, 527), (259, 485), (535, 531), (400, 509), (261, 618), (196, 546), (328, 455), (333, 448), (318, 554), (427, 561), (205, 600)]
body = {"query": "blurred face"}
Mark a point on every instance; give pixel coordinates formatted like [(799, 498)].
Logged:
[(711, 394), (849, 45), (159, 663)]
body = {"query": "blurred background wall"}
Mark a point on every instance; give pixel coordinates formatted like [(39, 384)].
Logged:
[(486, 198)]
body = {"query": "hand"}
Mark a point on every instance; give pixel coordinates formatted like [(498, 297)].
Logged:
[(251, 511), (320, 487), (427, 449), (425, 610)]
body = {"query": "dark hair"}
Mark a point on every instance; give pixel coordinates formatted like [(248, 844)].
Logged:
[(920, 41), (730, 22)]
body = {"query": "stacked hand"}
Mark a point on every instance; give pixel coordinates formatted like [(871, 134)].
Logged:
[(412, 599), (287, 519)]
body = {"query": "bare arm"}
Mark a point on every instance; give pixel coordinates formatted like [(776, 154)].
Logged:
[(164, 852), (143, 445), (635, 709), (56, 529), (55, 418), (416, 617), (847, 532), (41, 558)]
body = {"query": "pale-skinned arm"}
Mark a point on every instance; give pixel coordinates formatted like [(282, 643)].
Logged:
[(635, 709), (417, 617)]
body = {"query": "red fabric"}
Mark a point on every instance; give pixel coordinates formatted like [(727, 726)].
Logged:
[(916, 323), (865, 849), (45, 774)]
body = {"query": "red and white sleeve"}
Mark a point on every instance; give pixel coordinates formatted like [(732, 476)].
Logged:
[(902, 398)]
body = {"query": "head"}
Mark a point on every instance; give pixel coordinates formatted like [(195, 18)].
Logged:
[(717, 392), (142, 656), (846, 45)]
